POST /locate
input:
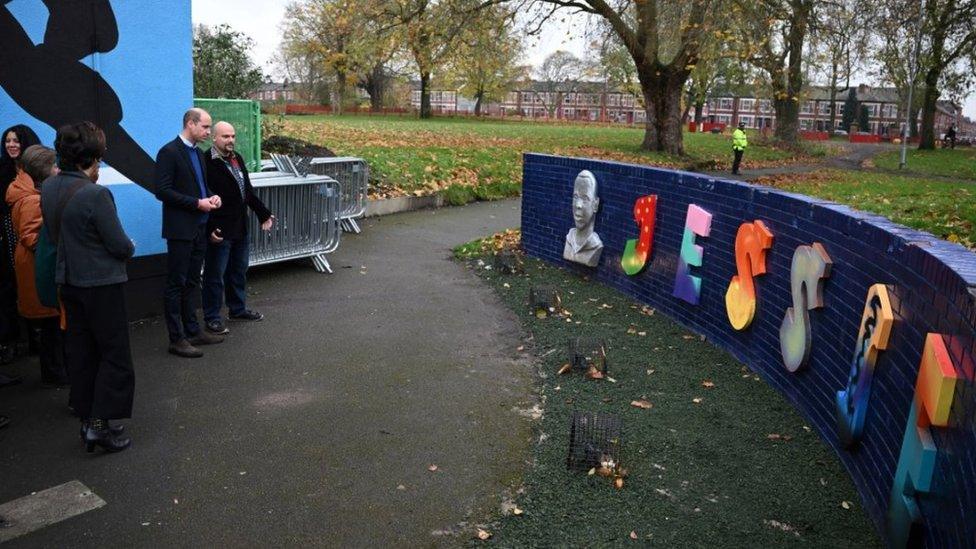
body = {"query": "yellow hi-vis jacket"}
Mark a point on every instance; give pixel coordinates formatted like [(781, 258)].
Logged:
[(739, 141)]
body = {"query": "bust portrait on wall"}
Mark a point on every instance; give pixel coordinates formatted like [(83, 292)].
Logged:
[(582, 244)]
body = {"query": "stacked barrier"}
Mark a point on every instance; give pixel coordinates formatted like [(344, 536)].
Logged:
[(308, 223), (353, 176)]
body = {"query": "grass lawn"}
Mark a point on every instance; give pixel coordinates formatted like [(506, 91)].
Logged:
[(945, 209), (719, 460), (959, 163), (482, 159)]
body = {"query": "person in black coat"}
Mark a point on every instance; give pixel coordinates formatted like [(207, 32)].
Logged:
[(225, 270), (181, 185)]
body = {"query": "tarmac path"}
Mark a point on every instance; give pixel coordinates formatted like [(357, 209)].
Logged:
[(315, 427)]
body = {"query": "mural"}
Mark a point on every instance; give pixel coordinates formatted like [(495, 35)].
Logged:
[(583, 245), (126, 66), (853, 401), (687, 286), (637, 251), (934, 393), (811, 265), (751, 242)]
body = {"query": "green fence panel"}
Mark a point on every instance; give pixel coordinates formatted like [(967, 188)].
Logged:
[(245, 115)]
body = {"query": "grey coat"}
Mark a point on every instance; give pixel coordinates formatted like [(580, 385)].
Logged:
[(93, 247)]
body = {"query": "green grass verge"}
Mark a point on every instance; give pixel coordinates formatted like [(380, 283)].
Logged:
[(959, 163), (945, 209), (423, 156), (702, 474)]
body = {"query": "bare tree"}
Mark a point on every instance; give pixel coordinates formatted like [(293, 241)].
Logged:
[(561, 73), (840, 40)]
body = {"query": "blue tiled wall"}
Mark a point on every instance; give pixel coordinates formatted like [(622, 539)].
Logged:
[(933, 290)]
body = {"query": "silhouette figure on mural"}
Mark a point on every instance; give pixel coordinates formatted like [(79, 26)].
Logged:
[(53, 85)]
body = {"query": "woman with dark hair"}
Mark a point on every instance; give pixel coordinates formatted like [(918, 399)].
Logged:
[(16, 140), (24, 197), (81, 220)]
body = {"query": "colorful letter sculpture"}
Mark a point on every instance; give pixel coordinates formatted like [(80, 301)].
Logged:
[(811, 265), (853, 401), (751, 242), (934, 391), (637, 251), (686, 285)]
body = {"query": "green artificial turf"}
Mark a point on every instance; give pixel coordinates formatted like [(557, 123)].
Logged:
[(739, 468)]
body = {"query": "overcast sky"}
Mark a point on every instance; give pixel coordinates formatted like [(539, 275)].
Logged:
[(261, 20)]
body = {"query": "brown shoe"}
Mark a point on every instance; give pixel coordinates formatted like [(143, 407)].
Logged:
[(204, 338), (184, 349)]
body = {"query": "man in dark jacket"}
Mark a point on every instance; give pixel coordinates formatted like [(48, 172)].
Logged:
[(225, 271), (181, 185)]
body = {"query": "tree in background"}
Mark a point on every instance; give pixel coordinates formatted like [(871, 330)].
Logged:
[(850, 110), (221, 65), (663, 39), (486, 61), (560, 73), (863, 118), (772, 35), (839, 43)]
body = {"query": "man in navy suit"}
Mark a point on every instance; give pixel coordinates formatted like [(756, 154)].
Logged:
[(181, 185)]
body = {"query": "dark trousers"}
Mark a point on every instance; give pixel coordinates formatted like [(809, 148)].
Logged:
[(9, 318), (50, 349), (97, 351), (184, 259), (737, 161), (225, 277)]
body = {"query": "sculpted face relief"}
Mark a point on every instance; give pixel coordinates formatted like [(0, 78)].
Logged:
[(582, 244)]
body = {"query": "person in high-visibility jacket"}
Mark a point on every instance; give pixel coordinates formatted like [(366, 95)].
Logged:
[(739, 144)]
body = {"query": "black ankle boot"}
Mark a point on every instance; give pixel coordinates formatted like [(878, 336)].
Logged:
[(98, 434), (116, 429)]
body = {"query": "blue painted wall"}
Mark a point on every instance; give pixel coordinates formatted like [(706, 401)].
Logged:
[(933, 288), (151, 71)]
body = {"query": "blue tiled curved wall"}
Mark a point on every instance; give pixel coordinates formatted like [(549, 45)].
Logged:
[(932, 284)]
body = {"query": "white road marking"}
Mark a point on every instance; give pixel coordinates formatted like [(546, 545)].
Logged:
[(29, 513)]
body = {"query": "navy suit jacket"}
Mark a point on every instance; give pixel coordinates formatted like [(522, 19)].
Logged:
[(177, 189)]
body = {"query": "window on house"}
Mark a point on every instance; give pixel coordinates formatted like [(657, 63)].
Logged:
[(725, 103), (765, 105), (747, 120), (747, 104), (806, 107), (724, 119)]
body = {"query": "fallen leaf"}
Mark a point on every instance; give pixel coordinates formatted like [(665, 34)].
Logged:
[(401, 487), (633, 534), (565, 368), (541, 313), (774, 436), (618, 483), (641, 404), (604, 471), (520, 348), (506, 285), (432, 468), (611, 380), (845, 504), (593, 373), (631, 330), (517, 512), (483, 534), (688, 337), (696, 400), (642, 334), (592, 471), (707, 384)]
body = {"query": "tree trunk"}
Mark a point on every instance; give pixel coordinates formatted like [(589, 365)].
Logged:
[(376, 87), (340, 91), (929, 105), (662, 88), (425, 111), (833, 98), (699, 108), (787, 120), (477, 103)]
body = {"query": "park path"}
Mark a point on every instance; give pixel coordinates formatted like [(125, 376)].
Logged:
[(317, 426), (853, 157)]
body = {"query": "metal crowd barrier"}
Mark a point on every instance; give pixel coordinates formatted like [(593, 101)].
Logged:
[(352, 174), (307, 211)]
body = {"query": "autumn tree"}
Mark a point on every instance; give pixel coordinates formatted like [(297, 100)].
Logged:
[(222, 67), (560, 73), (663, 39), (486, 61), (430, 30), (772, 36), (840, 38)]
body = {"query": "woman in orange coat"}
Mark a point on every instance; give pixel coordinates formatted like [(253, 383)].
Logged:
[(37, 163)]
